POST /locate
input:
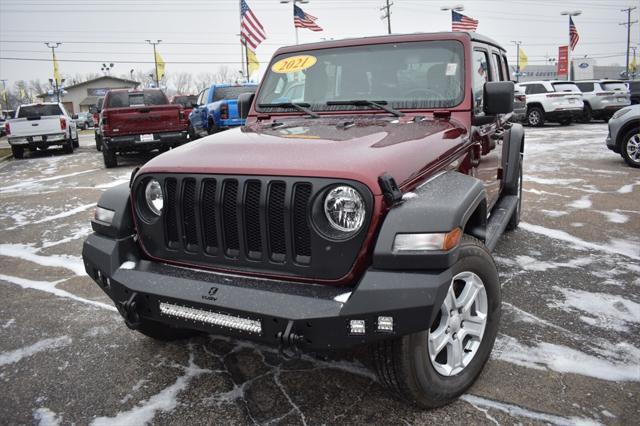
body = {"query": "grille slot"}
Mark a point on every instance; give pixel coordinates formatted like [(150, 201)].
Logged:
[(301, 227), (275, 215), (230, 217), (171, 221), (209, 210), (189, 214), (252, 219)]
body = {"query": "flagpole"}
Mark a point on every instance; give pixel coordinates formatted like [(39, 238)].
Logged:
[(243, 48), (296, 35)]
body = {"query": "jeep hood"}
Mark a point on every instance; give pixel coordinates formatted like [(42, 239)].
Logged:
[(360, 149)]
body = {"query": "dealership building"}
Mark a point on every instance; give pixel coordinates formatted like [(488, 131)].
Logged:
[(81, 96)]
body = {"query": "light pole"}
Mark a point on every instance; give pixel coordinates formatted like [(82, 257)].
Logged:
[(294, 3), (155, 59), (628, 24), (387, 14), (517, 43), (106, 68), (570, 14), (53, 46)]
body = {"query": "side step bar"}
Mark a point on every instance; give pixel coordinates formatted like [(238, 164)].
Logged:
[(499, 219)]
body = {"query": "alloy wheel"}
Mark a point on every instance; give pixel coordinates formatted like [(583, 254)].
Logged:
[(633, 147), (456, 334)]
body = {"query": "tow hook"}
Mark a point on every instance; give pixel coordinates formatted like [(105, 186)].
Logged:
[(129, 310), (288, 346)]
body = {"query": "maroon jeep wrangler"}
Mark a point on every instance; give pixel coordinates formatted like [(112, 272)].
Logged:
[(358, 205)]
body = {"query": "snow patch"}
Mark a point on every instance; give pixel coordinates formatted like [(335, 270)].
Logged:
[(29, 253), (554, 213), (342, 298), (532, 264), (8, 323), (409, 195), (78, 233), (517, 411), (25, 185), (627, 189), (615, 217), (14, 356), (45, 417), (617, 246), (128, 265), (602, 310), (165, 401), (50, 287), (546, 181), (563, 359), (582, 203)]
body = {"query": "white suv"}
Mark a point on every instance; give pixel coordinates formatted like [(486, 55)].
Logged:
[(602, 98), (554, 100)]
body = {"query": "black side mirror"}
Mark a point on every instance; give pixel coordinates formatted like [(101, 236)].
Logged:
[(93, 110), (498, 97), (74, 116), (244, 104)]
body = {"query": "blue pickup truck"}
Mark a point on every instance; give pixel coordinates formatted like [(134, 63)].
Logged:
[(217, 109)]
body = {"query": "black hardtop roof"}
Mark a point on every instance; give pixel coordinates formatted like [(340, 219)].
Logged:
[(397, 38)]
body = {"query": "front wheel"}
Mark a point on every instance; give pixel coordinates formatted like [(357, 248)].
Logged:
[(434, 367), (631, 147), (18, 152), (535, 117)]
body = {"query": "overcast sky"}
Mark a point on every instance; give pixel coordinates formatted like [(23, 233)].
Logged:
[(115, 30)]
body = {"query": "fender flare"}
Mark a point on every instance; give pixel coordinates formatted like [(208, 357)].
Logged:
[(118, 200), (447, 201), (514, 138)]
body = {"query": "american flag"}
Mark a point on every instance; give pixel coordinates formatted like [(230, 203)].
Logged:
[(304, 20), (573, 34), (460, 22), (251, 30)]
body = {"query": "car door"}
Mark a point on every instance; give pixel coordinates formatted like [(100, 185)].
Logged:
[(488, 145), (200, 113)]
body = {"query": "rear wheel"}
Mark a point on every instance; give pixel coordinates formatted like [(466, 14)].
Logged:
[(434, 367), (630, 148), (76, 141), (212, 128), (587, 114), (18, 152), (109, 157), (565, 122), (68, 147), (535, 116)]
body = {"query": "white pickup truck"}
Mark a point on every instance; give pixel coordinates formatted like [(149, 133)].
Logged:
[(40, 126)]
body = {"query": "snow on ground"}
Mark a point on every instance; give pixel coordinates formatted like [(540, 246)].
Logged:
[(16, 355), (45, 417), (599, 309), (30, 253)]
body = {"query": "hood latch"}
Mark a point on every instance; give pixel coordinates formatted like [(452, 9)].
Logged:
[(390, 191)]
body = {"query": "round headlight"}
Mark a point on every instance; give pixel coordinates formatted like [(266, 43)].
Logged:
[(344, 208), (153, 195)]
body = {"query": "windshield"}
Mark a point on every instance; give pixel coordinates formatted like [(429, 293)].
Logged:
[(565, 87), (405, 75), (127, 99), (32, 111), (221, 93)]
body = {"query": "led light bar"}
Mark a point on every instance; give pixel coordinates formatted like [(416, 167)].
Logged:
[(208, 317), (385, 323), (357, 327)]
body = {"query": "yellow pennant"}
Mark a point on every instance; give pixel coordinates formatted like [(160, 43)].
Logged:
[(523, 59), (252, 62), (160, 63)]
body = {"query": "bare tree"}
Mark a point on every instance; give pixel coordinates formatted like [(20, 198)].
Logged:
[(224, 75), (204, 80), (182, 82)]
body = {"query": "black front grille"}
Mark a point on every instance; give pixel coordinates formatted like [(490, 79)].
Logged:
[(247, 223)]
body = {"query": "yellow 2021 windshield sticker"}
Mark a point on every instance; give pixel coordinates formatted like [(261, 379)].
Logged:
[(293, 64)]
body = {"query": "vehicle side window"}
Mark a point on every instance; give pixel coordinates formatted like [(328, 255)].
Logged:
[(480, 71), (533, 89), (505, 68), (585, 87), (497, 67)]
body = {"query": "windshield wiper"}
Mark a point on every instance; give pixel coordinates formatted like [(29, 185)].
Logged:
[(363, 102), (303, 107)]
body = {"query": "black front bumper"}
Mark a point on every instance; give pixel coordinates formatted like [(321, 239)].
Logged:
[(318, 316), (136, 143)]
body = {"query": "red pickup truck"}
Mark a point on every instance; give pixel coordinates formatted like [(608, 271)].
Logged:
[(139, 121)]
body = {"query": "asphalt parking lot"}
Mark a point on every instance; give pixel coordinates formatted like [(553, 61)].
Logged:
[(568, 350)]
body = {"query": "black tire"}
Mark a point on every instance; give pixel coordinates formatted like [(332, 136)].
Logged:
[(18, 152), (535, 117), (98, 142), (192, 132), (565, 122), (164, 333), (403, 365), (212, 128), (109, 157), (631, 140), (514, 221), (68, 147), (76, 141), (587, 114)]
